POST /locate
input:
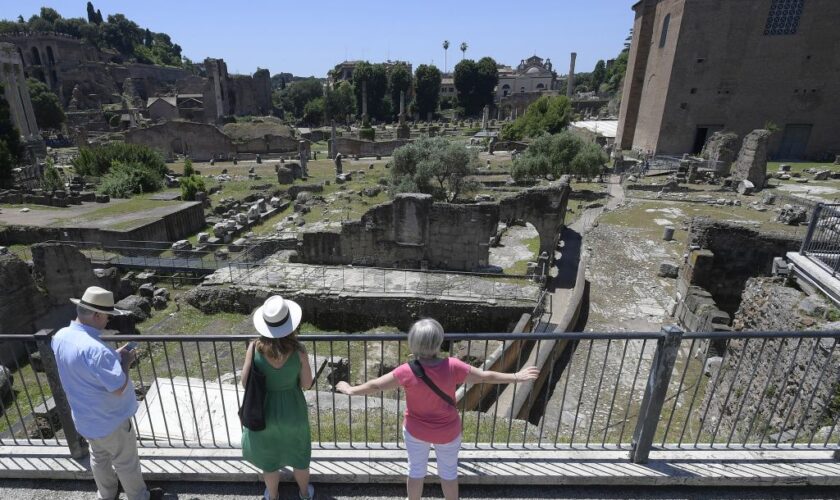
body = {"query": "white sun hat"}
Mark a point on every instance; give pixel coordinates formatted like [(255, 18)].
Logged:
[(99, 300), (277, 317)]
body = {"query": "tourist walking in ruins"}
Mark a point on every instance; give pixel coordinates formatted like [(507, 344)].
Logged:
[(101, 396), (431, 418), (285, 441)]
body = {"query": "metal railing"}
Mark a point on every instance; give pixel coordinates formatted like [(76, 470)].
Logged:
[(822, 242), (607, 391)]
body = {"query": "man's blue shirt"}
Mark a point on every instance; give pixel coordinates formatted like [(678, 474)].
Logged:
[(90, 372)]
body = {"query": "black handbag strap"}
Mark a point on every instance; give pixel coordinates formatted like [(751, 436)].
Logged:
[(418, 371)]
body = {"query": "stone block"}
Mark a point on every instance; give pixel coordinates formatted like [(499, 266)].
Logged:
[(668, 269), (139, 308)]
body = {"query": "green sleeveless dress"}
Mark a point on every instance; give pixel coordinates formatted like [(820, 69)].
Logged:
[(286, 440)]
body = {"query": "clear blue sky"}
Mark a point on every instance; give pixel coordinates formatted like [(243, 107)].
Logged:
[(310, 37)]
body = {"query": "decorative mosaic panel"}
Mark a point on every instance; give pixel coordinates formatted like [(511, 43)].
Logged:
[(783, 18)]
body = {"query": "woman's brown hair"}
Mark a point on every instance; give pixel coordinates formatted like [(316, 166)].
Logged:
[(279, 348)]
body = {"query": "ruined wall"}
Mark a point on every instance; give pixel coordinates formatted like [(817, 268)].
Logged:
[(348, 146), (21, 303), (199, 140), (736, 253), (62, 270), (409, 232), (350, 312), (413, 232), (778, 399), (16, 92), (267, 144)]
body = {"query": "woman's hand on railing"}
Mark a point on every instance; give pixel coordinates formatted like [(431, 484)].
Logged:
[(343, 387), (530, 373)]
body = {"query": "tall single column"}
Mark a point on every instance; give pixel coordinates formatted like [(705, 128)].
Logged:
[(364, 103), (570, 88), (402, 107)]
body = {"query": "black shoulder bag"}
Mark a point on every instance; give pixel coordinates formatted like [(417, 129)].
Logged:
[(418, 371), (252, 412)]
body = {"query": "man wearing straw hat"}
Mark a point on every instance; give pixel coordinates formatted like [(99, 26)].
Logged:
[(101, 396)]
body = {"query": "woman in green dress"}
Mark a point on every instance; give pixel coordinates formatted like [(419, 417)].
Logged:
[(285, 441)]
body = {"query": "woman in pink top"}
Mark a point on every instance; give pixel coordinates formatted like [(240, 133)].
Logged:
[(431, 419)]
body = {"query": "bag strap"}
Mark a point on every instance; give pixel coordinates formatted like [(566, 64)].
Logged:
[(418, 371)]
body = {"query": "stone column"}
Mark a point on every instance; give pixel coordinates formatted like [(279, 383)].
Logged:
[(364, 102), (484, 117), (570, 88), (332, 141), (303, 157), (402, 108)]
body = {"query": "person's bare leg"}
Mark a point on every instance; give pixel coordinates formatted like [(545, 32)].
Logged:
[(272, 483), (302, 479), (415, 488), (450, 489)]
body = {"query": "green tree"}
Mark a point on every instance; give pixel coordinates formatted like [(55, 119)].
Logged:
[(399, 81), (559, 154), (122, 34), (475, 82), (376, 78), (599, 74), (52, 179), (445, 52), (11, 150), (49, 15), (125, 179), (434, 166), (464, 48), (340, 102), (426, 89), (296, 95), (548, 114), (46, 105), (313, 112), (91, 13)]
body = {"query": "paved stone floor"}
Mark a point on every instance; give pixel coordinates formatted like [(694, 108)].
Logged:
[(85, 490)]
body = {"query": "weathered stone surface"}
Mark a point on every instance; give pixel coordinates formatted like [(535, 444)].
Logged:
[(668, 269), (62, 270), (752, 159), (721, 149), (159, 302), (712, 365), (769, 305), (146, 290), (162, 292), (108, 278), (793, 215), (285, 175), (822, 175), (746, 187), (140, 308)]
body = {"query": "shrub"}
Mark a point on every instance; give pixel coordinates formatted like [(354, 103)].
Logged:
[(434, 166), (52, 179), (190, 186), (548, 114), (188, 168), (97, 161), (559, 154), (126, 179), (368, 134)]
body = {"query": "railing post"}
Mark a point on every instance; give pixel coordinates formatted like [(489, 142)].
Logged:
[(77, 444), (812, 226), (657, 386)]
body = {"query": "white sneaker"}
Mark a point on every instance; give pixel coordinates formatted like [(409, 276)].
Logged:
[(310, 493)]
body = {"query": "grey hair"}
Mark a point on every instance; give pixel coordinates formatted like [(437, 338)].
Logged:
[(425, 338), (84, 313)]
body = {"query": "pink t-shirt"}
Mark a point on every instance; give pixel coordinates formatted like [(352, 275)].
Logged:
[(427, 416)]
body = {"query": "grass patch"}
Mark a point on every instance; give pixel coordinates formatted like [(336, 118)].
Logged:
[(521, 267)]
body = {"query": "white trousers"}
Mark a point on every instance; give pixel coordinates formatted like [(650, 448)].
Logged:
[(418, 457), (115, 457)]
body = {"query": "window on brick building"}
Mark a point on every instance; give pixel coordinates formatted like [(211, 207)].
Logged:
[(664, 36), (783, 18)]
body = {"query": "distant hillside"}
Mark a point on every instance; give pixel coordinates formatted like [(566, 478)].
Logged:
[(117, 33)]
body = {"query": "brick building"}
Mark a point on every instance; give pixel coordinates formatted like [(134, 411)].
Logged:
[(699, 66)]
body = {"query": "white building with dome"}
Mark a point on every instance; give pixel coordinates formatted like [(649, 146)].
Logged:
[(532, 75)]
